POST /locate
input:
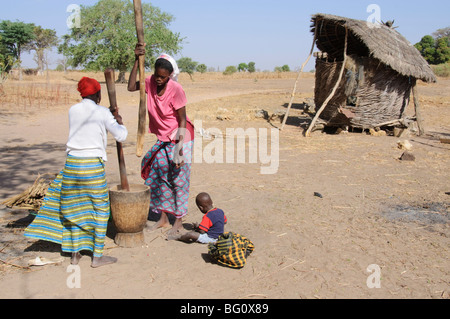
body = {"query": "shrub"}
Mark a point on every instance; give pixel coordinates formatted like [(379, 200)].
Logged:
[(284, 68), (442, 70), (202, 68), (251, 67), (230, 70)]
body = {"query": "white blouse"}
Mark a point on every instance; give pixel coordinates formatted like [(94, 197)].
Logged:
[(89, 125)]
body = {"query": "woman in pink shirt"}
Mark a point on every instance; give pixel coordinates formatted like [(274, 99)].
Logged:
[(166, 168)]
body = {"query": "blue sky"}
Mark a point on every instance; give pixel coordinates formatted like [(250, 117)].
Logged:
[(268, 32)]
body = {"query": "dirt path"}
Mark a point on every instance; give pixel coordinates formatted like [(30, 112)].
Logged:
[(374, 210)]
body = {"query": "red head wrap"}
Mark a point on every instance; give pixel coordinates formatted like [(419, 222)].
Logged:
[(88, 86)]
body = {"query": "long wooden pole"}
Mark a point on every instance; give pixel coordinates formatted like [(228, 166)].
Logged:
[(417, 109), (142, 102), (298, 78), (324, 105), (111, 86)]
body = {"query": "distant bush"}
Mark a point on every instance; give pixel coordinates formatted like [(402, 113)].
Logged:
[(30, 71), (242, 67), (230, 70), (442, 70), (59, 68), (284, 68), (251, 67), (202, 68)]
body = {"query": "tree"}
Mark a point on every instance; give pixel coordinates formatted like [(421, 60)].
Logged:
[(187, 65), (14, 37), (202, 68), (427, 49), (6, 64), (435, 51), (442, 54), (6, 59), (251, 67), (44, 39), (107, 36), (242, 67), (62, 64), (442, 33)]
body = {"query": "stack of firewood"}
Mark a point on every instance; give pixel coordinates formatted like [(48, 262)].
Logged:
[(33, 196)]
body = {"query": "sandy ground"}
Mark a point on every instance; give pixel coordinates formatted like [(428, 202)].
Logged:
[(374, 210)]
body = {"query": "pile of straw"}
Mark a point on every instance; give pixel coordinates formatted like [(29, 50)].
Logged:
[(33, 196)]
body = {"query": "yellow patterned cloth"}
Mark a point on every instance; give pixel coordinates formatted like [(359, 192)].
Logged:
[(231, 250), (76, 208)]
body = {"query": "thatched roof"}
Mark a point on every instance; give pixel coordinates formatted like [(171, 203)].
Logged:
[(365, 39)]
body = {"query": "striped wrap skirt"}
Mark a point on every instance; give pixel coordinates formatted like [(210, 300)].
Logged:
[(76, 208), (169, 185)]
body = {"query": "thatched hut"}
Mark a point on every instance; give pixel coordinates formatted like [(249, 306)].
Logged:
[(381, 69)]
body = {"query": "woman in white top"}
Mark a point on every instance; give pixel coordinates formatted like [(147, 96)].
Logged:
[(76, 209)]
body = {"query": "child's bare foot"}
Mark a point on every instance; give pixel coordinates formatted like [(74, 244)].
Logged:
[(75, 258), (175, 236), (102, 261)]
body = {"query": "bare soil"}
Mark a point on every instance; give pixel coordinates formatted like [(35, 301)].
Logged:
[(373, 208)]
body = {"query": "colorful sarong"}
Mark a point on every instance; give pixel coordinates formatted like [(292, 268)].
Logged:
[(76, 208), (169, 185)]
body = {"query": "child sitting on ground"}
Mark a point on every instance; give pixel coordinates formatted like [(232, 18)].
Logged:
[(211, 227)]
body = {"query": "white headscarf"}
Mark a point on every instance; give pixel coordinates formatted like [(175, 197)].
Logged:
[(176, 70)]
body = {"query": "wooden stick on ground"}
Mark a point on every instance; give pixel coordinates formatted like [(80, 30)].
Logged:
[(142, 101), (311, 126), (298, 78), (14, 265), (32, 197)]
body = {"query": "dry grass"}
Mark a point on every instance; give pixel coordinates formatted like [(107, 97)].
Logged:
[(35, 95), (74, 76), (59, 88)]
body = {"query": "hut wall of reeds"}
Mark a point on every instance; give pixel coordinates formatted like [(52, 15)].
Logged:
[(380, 71)]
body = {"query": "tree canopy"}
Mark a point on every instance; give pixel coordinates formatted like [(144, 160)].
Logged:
[(107, 36), (14, 36), (442, 33), (435, 50), (242, 67)]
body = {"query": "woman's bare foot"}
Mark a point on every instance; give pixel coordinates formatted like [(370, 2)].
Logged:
[(75, 258), (102, 261), (176, 228), (162, 222)]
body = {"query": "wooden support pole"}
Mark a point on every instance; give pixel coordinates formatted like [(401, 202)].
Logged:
[(298, 78), (333, 92), (417, 109)]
